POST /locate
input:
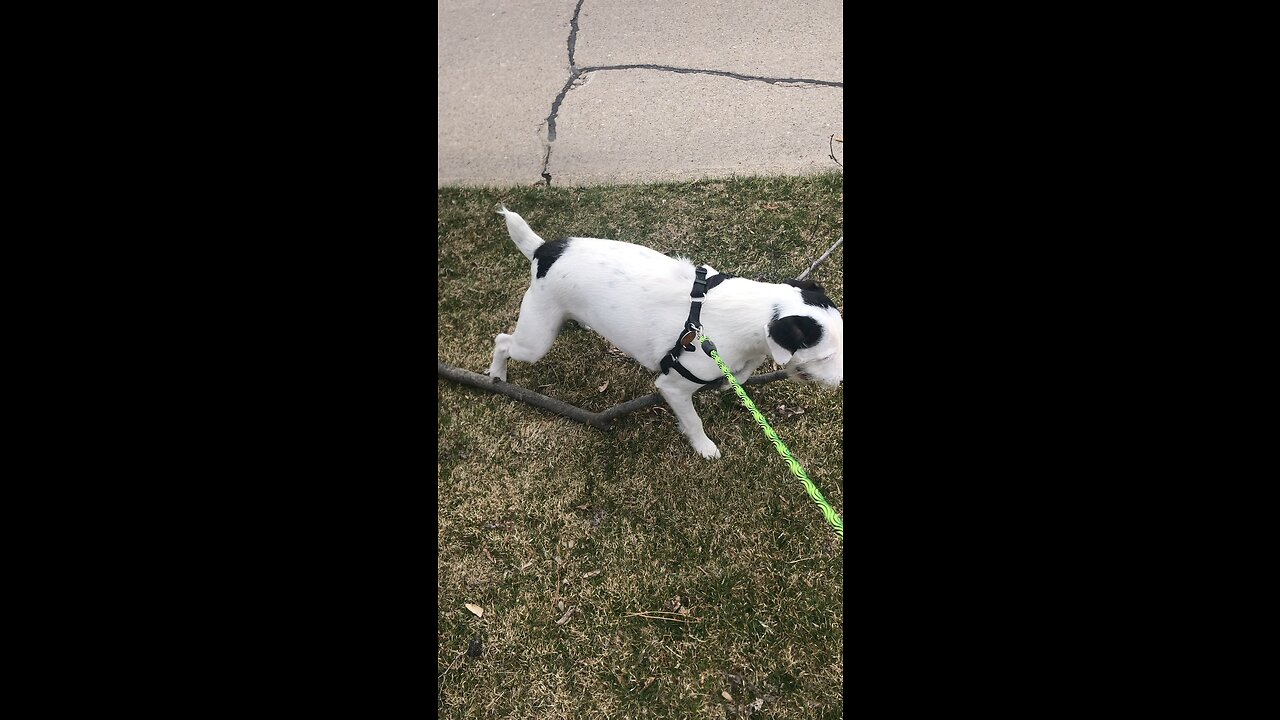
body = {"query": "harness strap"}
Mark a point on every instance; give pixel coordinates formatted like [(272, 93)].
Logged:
[(684, 343), (670, 362)]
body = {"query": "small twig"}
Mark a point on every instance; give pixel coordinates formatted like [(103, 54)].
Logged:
[(446, 670), (832, 147), (825, 255), (654, 615), (555, 592)]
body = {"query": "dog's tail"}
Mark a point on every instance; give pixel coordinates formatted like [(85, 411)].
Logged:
[(523, 235)]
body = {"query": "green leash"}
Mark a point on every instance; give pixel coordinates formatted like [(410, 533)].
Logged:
[(794, 464)]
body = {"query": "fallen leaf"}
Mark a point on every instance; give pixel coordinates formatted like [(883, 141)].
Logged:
[(568, 614), (572, 543), (725, 694), (756, 704), (647, 682), (603, 387), (560, 606), (479, 611), (524, 566), (593, 573)]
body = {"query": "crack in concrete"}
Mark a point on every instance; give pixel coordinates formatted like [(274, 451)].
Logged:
[(573, 32), (555, 105), (576, 73), (722, 73)]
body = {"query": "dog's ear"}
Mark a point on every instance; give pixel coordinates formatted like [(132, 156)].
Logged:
[(787, 335)]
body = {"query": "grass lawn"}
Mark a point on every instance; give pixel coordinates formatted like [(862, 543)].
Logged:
[(620, 574)]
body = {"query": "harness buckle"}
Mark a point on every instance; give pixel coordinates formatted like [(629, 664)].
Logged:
[(699, 283)]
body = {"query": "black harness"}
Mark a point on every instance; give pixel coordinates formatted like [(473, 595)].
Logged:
[(691, 327)]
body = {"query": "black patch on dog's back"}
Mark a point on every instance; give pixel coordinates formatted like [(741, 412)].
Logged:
[(795, 331), (547, 254), (812, 293)]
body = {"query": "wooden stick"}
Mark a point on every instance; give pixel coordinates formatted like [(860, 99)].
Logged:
[(599, 420), (484, 382), (825, 255)]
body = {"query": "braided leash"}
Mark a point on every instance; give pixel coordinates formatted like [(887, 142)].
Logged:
[(814, 494)]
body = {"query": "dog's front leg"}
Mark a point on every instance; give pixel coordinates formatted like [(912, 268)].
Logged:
[(678, 393)]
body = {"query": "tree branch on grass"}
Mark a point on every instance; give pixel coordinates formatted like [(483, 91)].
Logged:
[(599, 420), (825, 255)]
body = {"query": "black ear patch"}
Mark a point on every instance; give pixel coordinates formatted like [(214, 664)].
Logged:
[(812, 293), (795, 331)]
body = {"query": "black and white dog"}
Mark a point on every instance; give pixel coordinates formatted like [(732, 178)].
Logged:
[(640, 300)]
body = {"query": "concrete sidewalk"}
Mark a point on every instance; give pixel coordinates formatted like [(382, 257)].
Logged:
[(581, 92)]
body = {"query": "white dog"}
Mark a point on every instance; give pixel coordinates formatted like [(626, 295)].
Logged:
[(640, 300)]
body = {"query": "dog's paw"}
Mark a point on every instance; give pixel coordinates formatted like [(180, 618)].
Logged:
[(496, 376), (708, 451)]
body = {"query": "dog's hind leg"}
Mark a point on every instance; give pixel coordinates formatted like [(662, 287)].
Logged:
[(535, 331), (678, 393)]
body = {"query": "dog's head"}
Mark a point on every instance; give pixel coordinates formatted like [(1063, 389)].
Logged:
[(806, 335)]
